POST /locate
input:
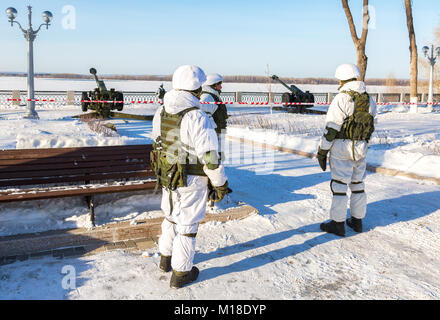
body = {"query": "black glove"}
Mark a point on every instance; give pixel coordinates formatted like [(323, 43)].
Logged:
[(322, 158), (216, 194)]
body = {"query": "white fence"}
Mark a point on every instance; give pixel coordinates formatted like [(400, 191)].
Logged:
[(63, 98)]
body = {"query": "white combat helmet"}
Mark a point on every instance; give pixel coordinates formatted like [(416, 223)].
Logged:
[(213, 78), (188, 77), (347, 71)]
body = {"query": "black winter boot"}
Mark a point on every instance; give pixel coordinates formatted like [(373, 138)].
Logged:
[(165, 263), (179, 279), (355, 224), (334, 227)]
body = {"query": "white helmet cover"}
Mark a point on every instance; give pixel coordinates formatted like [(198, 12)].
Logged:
[(347, 71), (213, 78), (188, 77)]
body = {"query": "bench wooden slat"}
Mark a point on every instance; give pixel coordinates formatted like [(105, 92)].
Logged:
[(78, 159), (82, 178), (71, 165), (48, 193), (69, 152), (73, 172)]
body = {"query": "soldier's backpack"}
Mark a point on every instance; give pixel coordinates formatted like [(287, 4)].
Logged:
[(360, 125)]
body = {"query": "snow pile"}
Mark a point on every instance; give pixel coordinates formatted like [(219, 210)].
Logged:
[(50, 140), (53, 130)]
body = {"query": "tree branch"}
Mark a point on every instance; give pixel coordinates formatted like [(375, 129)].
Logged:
[(365, 21), (351, 24)]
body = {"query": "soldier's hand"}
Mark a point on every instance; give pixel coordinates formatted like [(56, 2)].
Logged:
[(216, 194), (322, 158)]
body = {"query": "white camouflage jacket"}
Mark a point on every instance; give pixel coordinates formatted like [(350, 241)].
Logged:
[(342, 107), (197, 130)]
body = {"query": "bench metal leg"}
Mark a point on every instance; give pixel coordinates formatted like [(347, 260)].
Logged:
[(89, 200)]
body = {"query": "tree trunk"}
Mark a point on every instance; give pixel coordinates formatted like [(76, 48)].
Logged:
[(413, 51), (359, 43)]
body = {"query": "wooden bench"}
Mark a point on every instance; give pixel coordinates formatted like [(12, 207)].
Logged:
[(32, 174)]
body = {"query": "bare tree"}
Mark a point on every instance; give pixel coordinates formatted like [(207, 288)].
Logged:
[(412, 50), (359, 43)]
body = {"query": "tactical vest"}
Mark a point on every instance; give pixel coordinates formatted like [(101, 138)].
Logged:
[(360, 125), (220, 115), (170, 159)]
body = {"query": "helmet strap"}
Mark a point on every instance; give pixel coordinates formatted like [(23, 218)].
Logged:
[(344, 82), (196, 93)]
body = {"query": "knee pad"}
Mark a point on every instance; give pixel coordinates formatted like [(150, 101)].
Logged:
[(338, 188), (357, 187)]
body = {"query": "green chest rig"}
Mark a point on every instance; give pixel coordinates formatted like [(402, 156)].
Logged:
[(170, 157), (360, 125), (220, 115)]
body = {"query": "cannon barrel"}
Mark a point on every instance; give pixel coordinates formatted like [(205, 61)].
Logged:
[(99, 83), (292, 88), (296, 95), (275, 77)]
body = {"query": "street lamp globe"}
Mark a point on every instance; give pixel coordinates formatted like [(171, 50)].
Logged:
[(47, 16), (425, 50), (11, 13)]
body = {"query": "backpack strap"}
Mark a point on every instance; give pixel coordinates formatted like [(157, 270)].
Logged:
[(215, 97)]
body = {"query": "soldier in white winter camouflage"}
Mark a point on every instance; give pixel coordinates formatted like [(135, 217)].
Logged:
[(349, 125)]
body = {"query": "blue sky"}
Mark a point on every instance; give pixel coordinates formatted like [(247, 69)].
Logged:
[(295, 38)]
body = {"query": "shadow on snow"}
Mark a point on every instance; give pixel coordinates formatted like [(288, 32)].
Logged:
[(378, 214)]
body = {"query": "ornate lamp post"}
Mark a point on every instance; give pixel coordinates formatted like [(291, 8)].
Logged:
[(432, 60), (30, 36)]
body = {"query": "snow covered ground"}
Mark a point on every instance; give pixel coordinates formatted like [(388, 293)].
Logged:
[(279, 253)]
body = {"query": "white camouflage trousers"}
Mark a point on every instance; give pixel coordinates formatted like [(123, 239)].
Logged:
[(182, 216), (348, 174)]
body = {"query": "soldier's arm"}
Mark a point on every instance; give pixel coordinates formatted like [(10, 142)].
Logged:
[(373, 108), (208, 108), (205, 143), (335, 118), (155, 132)]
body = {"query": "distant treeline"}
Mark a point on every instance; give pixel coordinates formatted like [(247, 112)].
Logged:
[(230, 79)]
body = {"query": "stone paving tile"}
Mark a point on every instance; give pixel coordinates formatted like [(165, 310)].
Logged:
[(38, 255), (130, 244), (68, 252), (8, 260), (120, 245), (143, 244), (80, 250), (94, 250), (23, 257)]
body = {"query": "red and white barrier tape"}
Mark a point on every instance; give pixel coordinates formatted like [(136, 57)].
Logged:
[(226, 102)]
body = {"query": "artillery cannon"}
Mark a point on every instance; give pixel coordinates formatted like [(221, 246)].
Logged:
[(296, 95), (93, 100)]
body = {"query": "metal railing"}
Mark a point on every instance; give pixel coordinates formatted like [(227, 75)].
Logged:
[(59, 99)]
